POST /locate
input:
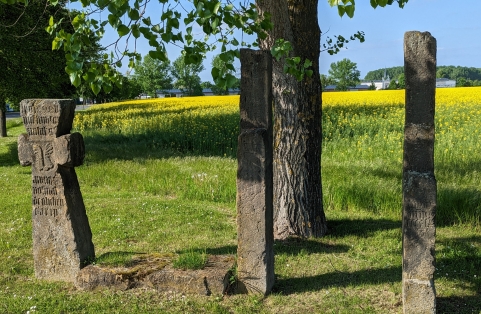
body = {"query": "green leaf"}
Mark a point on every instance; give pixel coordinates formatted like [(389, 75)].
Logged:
[(350, 10), (113, 19), (50, 21), (341, 10), (147, 21), (75, 79), (123, 30), (215, 23), (374, 4), (382, 3), (307, 63), (158, 54), (174, 23), (135, 31), (95, 87), (74, 66), (230, 80), (215, 72), (56, 44), (107, 87), (134, 14), (89, 77), (166, 37), (216, 7)]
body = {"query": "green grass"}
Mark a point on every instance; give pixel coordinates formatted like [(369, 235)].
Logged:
[(190, 259), (143, 199)]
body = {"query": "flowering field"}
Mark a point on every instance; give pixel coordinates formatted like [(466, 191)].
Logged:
[(188, 125), (376, 119), (361, 130), (210, 124)]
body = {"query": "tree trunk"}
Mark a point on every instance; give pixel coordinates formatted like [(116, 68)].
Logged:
[(3, 119), (298, 208)]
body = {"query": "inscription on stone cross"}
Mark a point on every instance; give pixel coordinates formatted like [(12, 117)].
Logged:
[(419, 183), (62, 239)]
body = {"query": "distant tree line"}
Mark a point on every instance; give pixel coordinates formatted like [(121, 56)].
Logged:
[(464, 76)]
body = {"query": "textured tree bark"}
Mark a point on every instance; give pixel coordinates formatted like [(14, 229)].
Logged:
[(298, 208)]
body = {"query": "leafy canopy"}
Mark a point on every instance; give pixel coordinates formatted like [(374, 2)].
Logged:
[(344, 73), (153, 75), (178, 25), (348, 6)]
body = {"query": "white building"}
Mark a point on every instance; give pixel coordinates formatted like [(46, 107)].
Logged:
[(444, 82), (379, 84)]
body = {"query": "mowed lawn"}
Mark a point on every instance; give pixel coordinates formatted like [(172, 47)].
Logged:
[(159, 177)]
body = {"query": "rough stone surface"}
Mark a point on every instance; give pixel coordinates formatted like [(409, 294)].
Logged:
[(62, 239), (156, 272), (419, 183), (255, 254)]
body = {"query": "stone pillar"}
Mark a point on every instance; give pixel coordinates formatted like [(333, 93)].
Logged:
[(255, 254), (62, 239), (3, 121), (419, 183)]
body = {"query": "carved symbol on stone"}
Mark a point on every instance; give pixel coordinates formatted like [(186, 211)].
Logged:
[(43, 160), (47, 153)]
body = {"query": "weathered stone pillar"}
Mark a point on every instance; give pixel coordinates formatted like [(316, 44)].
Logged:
[(3, 120), (62, 239), (419, 183), (255, 255)]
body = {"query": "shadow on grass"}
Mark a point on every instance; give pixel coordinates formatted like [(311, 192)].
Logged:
[(10, 158), (458, 262), (298, 246), (455, 204), (214, 135), (458, 205), (222, 250), (466, 304), (339, 228), (287, 286)]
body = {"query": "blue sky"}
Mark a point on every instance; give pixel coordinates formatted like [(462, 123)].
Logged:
[(456, 25)]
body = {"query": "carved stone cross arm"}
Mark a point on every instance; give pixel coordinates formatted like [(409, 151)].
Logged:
[(66, 150)]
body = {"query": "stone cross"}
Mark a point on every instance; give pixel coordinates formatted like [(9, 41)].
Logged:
[(62, 239), (255, 237), (419, 183)]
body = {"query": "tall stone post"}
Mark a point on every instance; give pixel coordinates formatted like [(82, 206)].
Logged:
[(255, 254), (62, 239), (3, 120), (419, 183)]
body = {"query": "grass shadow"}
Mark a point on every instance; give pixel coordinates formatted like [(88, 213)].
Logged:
[(222, 250), (287, 286), (467, 304), (339, 228), (209, 138), (298, 246), (10, 157), (458, 262), (458, 205)]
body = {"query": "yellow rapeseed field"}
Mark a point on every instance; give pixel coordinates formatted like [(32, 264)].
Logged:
[(211, 123)]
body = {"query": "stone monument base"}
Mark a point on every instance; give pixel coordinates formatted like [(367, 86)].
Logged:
[(155, 271)]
